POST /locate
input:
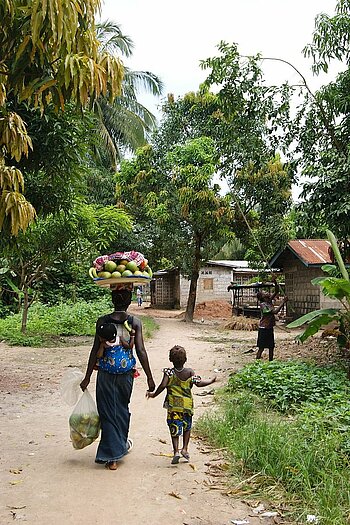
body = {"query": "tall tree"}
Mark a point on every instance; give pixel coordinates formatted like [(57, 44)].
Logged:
[(49, 55), (259, 183), (178, 195), (324, 130), (262, 200), (251, 117), (203, 211)]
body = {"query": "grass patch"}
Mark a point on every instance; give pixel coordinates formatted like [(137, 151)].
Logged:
[(288, 384), (303, 448), (47, 325)]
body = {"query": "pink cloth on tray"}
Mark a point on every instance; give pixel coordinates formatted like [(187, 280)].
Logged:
[(128, 256)]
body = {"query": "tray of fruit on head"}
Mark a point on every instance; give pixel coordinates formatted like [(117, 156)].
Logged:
[(120, 267)]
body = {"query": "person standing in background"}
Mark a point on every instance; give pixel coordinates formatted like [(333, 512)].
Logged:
[(139, 296), (266, 336)]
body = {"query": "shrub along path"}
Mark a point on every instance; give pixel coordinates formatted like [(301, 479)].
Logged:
[(45, 481)]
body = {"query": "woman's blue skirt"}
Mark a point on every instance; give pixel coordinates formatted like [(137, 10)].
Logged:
[(113, 392)]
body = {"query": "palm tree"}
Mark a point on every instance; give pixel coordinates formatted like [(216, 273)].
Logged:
[(125, 124)]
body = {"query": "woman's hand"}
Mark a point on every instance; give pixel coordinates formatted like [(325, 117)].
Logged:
[(151, 384), (84, 383), (149, 394)]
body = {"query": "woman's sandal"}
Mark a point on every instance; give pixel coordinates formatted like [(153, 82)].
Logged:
[(111, 465), (129, 444), (186, 456)]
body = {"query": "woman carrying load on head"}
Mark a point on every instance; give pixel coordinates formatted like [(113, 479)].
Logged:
[(112, 351)]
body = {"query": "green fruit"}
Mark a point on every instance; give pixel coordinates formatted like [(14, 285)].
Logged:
[(149, 271), (79, 444), (138, 273), (127, 273), (146, 274), (120, 268), (95, 419), (110, 266), (104, 275), (116, 275), (94, 432), (87, 441), (124, 262), (82, 429), (132, 266), (74, 420)]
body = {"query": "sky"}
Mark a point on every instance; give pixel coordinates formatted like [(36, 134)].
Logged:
[(172, 37)]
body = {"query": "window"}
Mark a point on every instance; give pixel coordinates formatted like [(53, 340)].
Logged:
[(208, 284)]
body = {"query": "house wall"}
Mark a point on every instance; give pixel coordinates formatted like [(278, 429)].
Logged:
[(328, 302), (164, 291), (212, 285), (303, 296), (170, 290)]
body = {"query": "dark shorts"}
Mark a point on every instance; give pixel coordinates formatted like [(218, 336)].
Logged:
[(178, 423), (266, 338)]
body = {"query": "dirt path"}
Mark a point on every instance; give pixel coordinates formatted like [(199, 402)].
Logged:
[(44, 481)]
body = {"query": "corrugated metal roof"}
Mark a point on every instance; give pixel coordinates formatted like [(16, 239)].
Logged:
[(311, 251), (229, 263)]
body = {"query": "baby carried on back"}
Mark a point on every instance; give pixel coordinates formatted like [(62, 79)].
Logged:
[(115, 354)]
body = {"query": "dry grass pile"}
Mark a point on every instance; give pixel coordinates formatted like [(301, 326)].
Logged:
[(241, 323)]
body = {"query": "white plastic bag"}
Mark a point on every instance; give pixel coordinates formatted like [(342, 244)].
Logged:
[(70, 385), (84, 422)]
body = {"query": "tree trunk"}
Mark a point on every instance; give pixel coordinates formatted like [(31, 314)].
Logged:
[(191, 301), (25, 311)]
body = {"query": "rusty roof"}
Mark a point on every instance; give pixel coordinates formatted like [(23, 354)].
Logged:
[(311, 251)]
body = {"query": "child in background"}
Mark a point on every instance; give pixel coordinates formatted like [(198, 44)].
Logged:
[(178, 382), (266, 337), (139, 296)]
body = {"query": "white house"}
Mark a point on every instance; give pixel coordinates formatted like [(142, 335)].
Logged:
[(169, 289)]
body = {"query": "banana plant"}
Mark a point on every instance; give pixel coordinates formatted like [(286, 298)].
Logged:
[(336, 285)]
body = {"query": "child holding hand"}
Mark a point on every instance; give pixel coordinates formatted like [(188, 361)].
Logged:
[(178, 381)]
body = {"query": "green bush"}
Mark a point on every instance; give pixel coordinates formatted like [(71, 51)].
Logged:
[(303, 448), (47, 324), (287, 384), (65, 284)]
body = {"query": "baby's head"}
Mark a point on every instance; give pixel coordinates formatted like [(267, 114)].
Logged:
[(177, 356), (107, 332)]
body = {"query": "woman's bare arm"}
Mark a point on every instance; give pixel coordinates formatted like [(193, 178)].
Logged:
[(142, 353)]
